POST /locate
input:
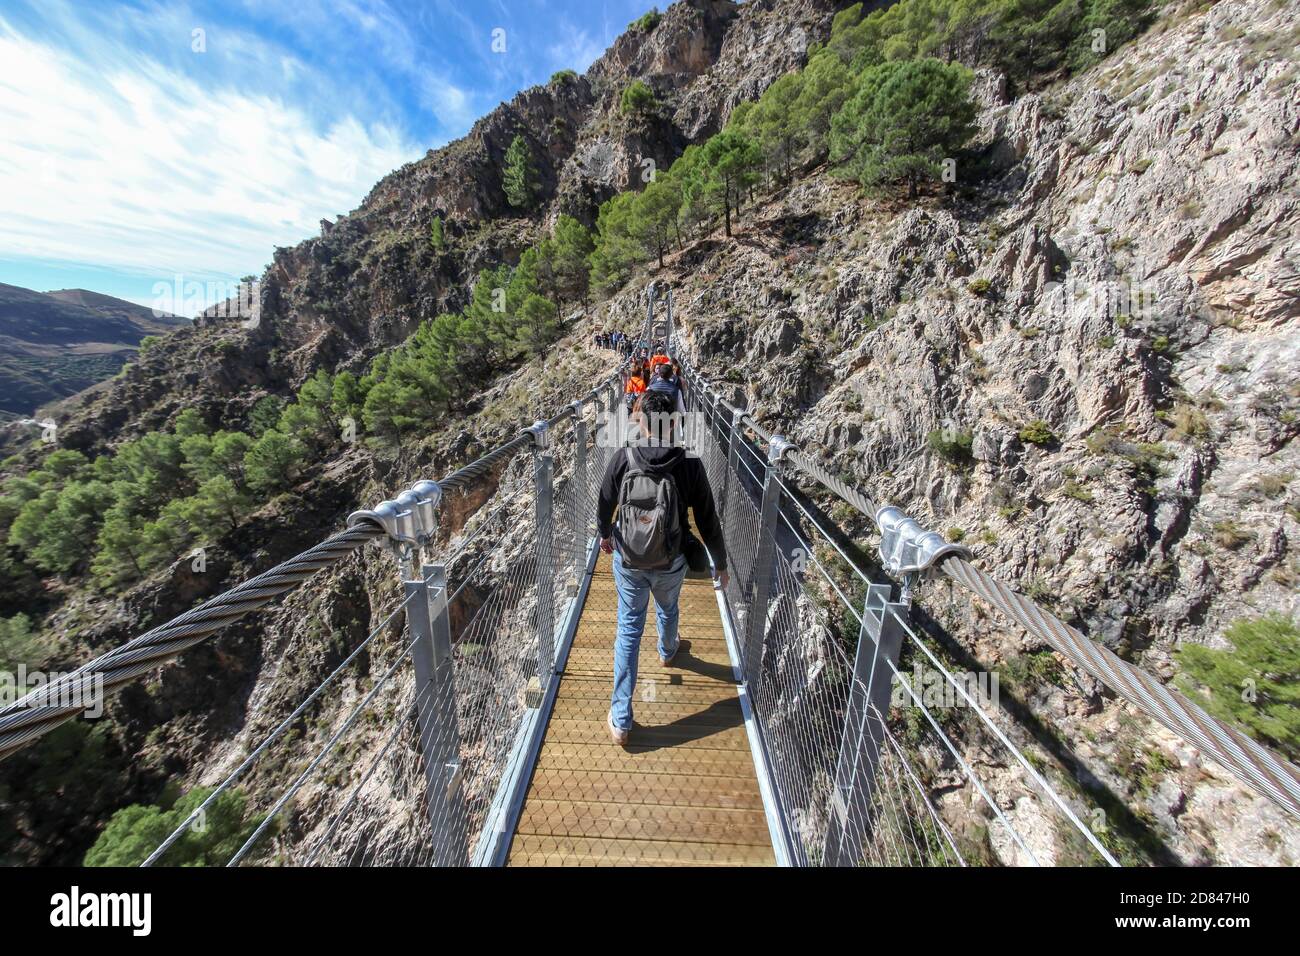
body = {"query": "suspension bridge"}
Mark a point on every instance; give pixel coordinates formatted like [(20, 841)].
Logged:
[(468, 727)]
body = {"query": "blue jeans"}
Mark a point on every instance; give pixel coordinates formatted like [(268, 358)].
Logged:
[(634, 590)]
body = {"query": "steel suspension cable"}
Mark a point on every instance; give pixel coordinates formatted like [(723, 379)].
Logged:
[(43, 709), (272, 737), (1248, 760), (320, 757), (51, 705)]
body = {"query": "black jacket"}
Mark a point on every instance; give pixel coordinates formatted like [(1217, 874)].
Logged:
[(693, 492)]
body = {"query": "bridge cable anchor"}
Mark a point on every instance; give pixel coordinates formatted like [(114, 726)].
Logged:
[(540, 431)]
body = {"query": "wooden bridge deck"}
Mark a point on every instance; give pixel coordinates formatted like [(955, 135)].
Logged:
[(683, 792)]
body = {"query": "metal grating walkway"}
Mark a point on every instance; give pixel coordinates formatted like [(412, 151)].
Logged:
[(684, 791)]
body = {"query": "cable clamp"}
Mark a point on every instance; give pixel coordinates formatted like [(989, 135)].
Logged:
[(907, 548), (541, 439), (779, 448), (410, 518)]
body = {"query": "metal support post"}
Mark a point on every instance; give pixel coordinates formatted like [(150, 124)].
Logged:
[(579, 514), (853, 811), (764, 561), (543, 483), (435, 707), (733, 459)]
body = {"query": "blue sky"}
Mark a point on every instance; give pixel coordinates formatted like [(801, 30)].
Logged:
[(145, 142)]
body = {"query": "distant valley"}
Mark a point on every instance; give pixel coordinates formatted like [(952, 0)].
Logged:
[(55, 344)]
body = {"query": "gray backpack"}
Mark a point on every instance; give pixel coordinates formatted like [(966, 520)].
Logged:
[(649, 520)]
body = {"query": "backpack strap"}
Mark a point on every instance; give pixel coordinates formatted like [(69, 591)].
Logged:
[(635, 460)]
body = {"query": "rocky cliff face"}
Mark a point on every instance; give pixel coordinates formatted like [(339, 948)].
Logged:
[(1125, 274)]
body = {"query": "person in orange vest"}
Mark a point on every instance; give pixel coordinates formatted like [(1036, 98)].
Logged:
[(636, 384), (637, 381), (659, 358)]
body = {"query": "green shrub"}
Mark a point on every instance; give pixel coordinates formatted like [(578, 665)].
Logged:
[(952, 445), (1145, 458), (647, 21), (1230, 535), (1038, 432), (1189, 423), (563, 76), (1267, 487), (1255, 683), (136, 831), (979, 287), (1072, 489), (1036, 669)]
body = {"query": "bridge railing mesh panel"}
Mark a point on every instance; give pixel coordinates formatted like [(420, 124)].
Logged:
[(927, 783), (494, 640)]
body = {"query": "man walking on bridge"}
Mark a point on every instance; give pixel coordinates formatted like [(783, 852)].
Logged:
[(651, 486)]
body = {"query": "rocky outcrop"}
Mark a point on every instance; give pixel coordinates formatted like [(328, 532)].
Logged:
[(1124, 280)]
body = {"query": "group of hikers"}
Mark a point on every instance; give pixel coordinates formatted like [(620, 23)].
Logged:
[(646, 494), (618, 341), (651, 370)]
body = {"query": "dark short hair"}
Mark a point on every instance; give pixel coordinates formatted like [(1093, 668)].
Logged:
[(664, 370), (658, 403)]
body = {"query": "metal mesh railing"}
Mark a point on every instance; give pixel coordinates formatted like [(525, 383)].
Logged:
[(858, 784), (398, 759)]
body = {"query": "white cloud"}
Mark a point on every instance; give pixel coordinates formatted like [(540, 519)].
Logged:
[(575, 49), (127, 163)]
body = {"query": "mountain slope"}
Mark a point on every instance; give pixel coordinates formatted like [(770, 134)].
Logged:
[(371, 277), (55, 344)]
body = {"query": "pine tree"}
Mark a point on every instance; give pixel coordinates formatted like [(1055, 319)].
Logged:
[(776, 125), (272, 462), (824, 86), (215, 508), (654, 215), (538, 326), (572, 245), (1255, 683), (616, 251), (520, 177), (730, 162), (637, 99), (134, 832), (119, 550), (902, 121)]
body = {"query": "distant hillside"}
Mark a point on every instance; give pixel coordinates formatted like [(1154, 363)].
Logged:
[(55, 344)]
